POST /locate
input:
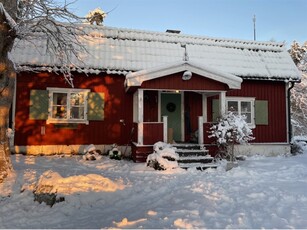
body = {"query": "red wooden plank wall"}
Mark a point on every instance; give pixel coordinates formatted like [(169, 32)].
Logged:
[(118, 105), (275, 93), (175, 82), (153, 132)]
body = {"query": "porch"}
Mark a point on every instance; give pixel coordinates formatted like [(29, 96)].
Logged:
[(186, 124), (139, 152), (174, 103)]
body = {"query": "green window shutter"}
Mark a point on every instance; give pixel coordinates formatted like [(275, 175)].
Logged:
[(39, 103), (95, 106), (215, 109), (261, 112)]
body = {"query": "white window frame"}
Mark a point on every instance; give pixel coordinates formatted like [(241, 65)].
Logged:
[(252, 124), (68, 91)]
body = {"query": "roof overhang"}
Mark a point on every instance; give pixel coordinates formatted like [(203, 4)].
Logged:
[(136, 79)]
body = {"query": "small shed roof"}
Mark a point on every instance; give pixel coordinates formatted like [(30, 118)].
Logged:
[(122, 51)]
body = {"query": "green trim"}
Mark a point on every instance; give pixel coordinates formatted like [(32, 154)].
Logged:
[(39, 103), (215, 109), (95, 106), (261, 112)]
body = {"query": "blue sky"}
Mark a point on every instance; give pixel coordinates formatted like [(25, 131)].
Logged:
[(278, 20)]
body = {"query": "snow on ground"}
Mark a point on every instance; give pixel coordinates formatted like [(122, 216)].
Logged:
[(263, 192)]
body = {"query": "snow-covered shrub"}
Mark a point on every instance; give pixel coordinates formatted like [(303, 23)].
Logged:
[(91, 153), (231, 129), (298, 145), (115, 153), (164, 157)]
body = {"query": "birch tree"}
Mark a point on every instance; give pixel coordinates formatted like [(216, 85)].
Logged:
[(18, 20), (298, 93)]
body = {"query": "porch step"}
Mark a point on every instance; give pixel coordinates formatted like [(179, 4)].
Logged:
[(192, 153), (198, 166), (196, 159), (194, 156), (187, 146)]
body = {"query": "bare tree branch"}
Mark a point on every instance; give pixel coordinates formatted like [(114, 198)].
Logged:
[(55, 24)]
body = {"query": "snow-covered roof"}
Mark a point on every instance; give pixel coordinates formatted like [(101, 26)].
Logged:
[(121, 51)]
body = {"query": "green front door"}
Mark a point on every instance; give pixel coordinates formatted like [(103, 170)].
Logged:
[(171, 107)]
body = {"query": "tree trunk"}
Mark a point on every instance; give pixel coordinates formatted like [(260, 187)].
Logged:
[(7, 81)]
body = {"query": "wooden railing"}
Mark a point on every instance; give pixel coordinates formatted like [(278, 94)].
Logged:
[(153, 132)]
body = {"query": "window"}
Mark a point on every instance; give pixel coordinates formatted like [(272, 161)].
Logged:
[(242, 106), (67, 105)]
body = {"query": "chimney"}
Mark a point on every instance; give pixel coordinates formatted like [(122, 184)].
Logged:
[(173, 31)]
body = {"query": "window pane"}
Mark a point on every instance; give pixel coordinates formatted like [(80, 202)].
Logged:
[(77, 99), (59, 107), (59, 112), (77, 112), (233, 106), (248, 117), (59, 99), (77, 105), (245, 106)]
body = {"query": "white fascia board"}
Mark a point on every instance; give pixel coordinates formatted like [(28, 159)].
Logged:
[(137, 78), (231, 80)]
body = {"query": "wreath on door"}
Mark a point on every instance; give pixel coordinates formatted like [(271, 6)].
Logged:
[(171, 107)]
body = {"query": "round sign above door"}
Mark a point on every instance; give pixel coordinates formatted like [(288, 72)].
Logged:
[(171, 107)]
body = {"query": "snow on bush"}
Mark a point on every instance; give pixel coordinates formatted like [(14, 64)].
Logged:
[(115, 153), (164, 157), (298, 144), (90, 153), (231, 129)]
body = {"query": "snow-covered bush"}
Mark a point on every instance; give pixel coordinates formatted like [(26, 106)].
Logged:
[(164, 157), (231, 129), (115, 153), (298, 145), (91, 153)]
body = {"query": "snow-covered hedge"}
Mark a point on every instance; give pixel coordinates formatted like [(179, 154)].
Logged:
[(164, 157)]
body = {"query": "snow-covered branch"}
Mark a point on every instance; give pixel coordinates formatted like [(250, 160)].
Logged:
[(57, 25), (299, 92), (10, 21)]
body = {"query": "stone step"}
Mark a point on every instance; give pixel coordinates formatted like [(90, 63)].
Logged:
[(198, 166), (196, 159), (194, 156), (187, 146), (191, 152)]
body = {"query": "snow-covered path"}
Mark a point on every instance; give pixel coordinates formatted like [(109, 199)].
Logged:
[(261, 193)]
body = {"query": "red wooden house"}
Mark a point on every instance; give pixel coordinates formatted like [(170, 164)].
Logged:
[(135, 88)]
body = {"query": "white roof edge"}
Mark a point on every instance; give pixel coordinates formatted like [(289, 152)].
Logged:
[(137, 78)]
